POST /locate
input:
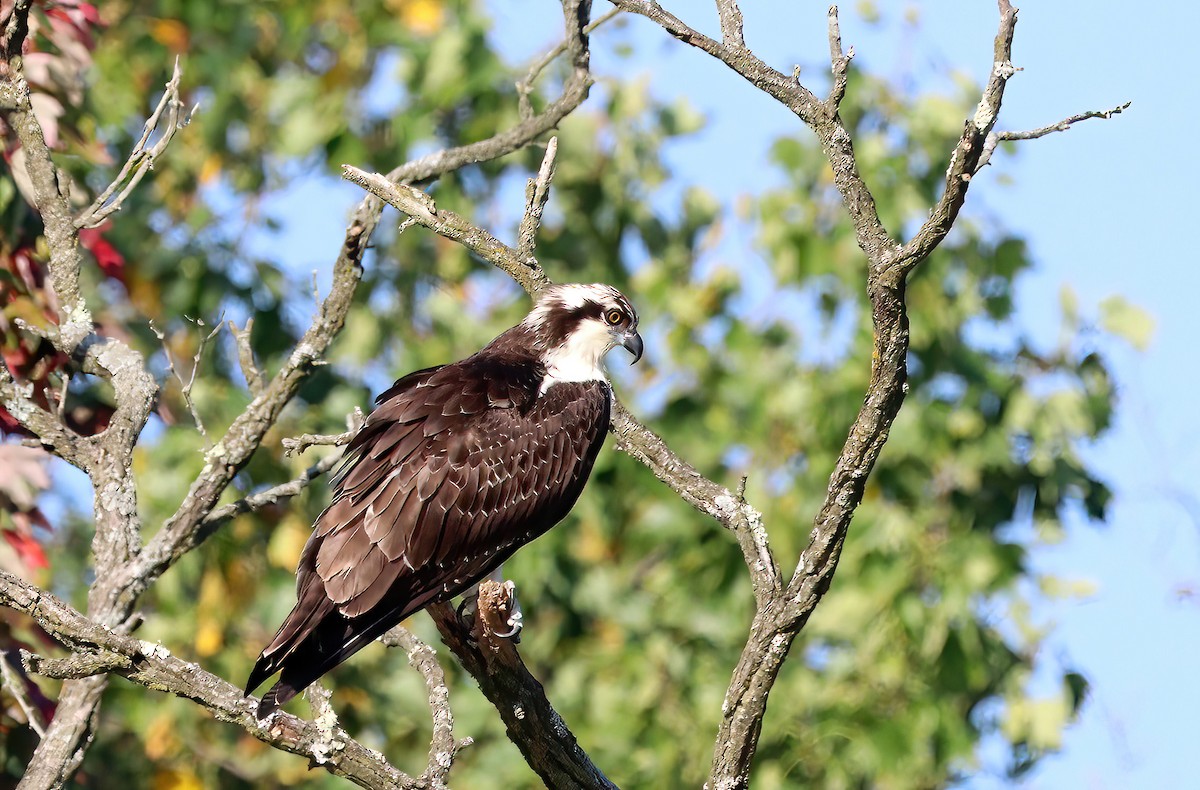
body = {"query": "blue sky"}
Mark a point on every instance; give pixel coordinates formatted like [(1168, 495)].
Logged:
[(1105, 207)]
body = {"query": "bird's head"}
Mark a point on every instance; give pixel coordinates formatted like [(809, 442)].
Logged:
[(575, 325)]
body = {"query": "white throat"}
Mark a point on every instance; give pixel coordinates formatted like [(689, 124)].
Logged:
[(578, 357)]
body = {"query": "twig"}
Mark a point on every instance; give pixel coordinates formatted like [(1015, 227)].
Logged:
[(17, 399), (731, 24), (271, 496), (537, 191), (839, 61), (16, 687), (140, 160), (76, 667), (995, 138), (61, 410), (455, 227), (525, 86), (443, 748), (299, 444), (255, 380), (186, 386)]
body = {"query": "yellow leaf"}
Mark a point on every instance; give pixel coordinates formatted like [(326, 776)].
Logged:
[(161, 739), (209, 638), (171, 33), (423, 17), (177, 780), (287, 542), (210, 169)]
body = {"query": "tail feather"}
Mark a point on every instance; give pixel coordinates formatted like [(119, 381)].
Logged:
[(278, 694)]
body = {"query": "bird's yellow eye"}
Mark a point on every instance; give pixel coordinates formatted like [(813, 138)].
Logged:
[(613, 316)]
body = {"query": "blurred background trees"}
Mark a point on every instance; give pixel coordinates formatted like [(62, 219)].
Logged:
[(756, 363)]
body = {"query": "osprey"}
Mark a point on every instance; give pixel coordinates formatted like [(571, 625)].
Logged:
[(456, 468)]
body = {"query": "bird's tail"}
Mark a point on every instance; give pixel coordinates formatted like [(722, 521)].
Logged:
[(275, 697)]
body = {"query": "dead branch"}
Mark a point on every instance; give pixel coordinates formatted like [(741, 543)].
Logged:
[(995, 138), (141, 160)]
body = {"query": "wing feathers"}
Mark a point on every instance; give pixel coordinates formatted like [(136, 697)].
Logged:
[(454, 470)]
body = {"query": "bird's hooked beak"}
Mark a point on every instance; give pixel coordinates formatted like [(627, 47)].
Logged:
[(631, 341)]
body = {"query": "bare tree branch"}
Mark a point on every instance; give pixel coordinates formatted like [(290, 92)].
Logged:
[(839, 61), (964, 159), (52, 432), (186, 386), (101, 650), (779, 619), (995, 138), (531, 722), (256, 382), (537, 191), (12, 674), (835, 140), (731, 23), (271, 496), (141, 160), (443, 748), (525, 85)]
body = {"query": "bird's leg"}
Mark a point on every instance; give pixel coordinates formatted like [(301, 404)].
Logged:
[(468, 610)]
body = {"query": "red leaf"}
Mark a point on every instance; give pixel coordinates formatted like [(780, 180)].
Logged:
[(111, 262), (9, 426), (28, 550)]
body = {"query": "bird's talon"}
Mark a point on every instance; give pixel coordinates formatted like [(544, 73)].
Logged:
[(514, 620)]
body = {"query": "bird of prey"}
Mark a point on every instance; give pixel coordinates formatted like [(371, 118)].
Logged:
[(456, 468)]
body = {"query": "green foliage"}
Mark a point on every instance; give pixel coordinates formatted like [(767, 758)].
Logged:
[(637, 605)]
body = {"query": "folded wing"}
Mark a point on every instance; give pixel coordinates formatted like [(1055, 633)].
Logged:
[(455, 469)]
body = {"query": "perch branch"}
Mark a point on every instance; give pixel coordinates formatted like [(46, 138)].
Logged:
[(531, 722)]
